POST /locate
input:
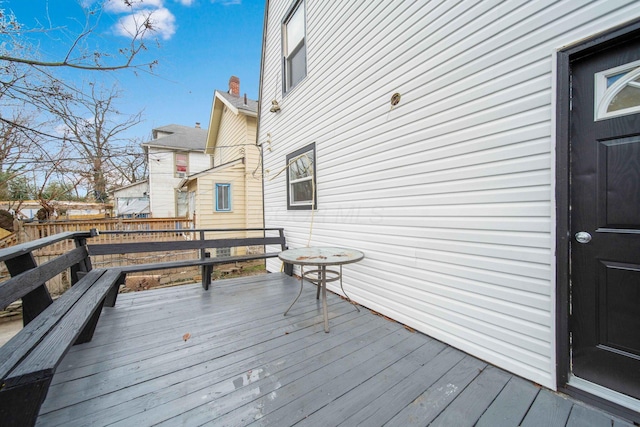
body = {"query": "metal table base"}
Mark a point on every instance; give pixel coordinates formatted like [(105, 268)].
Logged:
[(321, 280)]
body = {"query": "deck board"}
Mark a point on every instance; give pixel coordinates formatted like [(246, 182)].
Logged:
[(473, 401), (549, 410), (245, 363), (394, 399), (511, 405), (437, 397)]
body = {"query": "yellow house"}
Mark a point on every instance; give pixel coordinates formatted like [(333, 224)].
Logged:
[(229, 195)]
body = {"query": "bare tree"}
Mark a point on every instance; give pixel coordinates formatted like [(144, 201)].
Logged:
[(129, 164), (25, 75), (81, 144), (93, 129), (19, 156)]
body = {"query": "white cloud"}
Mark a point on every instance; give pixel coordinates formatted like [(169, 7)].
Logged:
[(186, 2), (124, 6), (162, 23)]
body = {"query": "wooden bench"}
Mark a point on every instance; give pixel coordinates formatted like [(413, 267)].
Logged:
[(202, 244), (28, 361)]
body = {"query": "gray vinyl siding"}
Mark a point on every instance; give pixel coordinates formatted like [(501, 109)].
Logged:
[(450, 194)]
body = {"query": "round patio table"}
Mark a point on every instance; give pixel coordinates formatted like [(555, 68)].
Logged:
[(321, 257)]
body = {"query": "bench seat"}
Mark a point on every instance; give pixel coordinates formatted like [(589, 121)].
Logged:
[(29, 360), (206, 262), (31, 357)]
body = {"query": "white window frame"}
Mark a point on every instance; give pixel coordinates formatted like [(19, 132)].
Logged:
[(182, 203), (219, 186), (310, 151), (604, 95), (176, 172), (289, 51)]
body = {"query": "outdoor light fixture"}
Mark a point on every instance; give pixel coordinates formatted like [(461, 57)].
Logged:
[(275, 107)]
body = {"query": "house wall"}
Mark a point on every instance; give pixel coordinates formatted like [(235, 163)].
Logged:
[(162, 182), (137, 190), (253, 173), (450, 194), (207, 216), (237, 139), (231, 137)]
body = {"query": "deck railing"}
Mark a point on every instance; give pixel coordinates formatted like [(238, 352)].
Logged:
[(141, 231), (36, 230)]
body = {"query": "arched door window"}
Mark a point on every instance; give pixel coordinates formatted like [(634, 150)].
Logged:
[(618, 91)]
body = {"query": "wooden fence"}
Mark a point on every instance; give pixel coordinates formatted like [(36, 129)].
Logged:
[(38, 230), (10, 240), (35, 230)]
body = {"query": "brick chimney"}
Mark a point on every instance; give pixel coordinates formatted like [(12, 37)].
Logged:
[(234, 86)]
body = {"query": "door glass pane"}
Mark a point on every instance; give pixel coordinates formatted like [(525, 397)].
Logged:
[(617, 91), (614, 78), (628, 97)]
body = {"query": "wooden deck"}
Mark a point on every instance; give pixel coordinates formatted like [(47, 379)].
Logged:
[(228, 357)]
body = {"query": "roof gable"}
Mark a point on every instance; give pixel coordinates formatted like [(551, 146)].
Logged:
[(235, 104), (179, 137)]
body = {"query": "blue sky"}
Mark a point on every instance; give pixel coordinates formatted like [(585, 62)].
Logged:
[(200, 44)]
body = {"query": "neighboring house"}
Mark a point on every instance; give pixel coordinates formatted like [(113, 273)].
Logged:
[(229, 195), (461, 146), (28, 209), (132, 201), (174, 153)]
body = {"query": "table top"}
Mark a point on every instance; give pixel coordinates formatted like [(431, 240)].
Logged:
[(320, 256)]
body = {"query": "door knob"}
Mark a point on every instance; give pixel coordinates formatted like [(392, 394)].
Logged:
[(583, 237)]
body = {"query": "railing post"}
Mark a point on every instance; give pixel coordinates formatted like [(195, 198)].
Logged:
[(206, 271), (79, 270), (38, 299), (288, 268)]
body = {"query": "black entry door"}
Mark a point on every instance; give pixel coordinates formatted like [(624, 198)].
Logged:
[(605, 207)]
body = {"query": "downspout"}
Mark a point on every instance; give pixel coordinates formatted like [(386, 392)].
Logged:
[(260, 99)]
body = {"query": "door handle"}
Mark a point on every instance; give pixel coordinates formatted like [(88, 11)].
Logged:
[(583, 237)]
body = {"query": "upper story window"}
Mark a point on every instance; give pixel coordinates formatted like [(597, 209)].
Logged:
[(301, 178), (294, 46), (181, 165)]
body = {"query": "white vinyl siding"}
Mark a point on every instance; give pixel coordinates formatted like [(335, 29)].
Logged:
[(163, 181), (450, 194)]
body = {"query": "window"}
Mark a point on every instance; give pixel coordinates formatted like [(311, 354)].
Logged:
[(223, 252), (182, 165), (223, 197), (301, 179), (182, 204), (617, 91), (294, 46)]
